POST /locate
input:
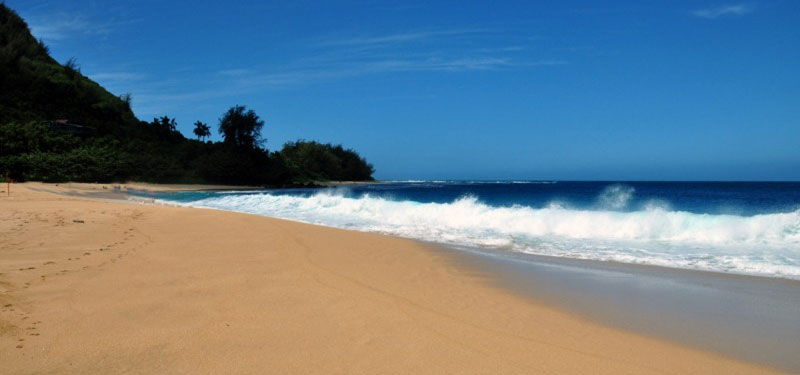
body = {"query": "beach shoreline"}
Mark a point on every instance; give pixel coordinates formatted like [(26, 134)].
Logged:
[(753, 317), (97, 286)]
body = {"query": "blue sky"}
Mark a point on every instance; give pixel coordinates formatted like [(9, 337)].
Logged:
[(675, 90)]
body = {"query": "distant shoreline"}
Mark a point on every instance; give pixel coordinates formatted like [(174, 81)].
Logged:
[(350, 183), (157, 187)]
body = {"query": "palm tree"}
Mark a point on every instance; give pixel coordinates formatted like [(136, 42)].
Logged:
[(201, 130)]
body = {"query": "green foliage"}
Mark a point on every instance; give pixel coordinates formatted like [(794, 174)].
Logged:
[(166, 129), (33, 86), (310, 161), (34, 151), (35, 90), (241, 127)]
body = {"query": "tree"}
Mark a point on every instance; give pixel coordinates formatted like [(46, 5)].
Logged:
[(126, 99), (201, 130), (72, 64), (311, 161), (241, 127), (165, 128), (164, 125)]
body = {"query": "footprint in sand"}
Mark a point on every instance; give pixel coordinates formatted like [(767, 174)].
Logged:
[(48, 263)]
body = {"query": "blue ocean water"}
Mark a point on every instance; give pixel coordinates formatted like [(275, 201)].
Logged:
[(740, 227)]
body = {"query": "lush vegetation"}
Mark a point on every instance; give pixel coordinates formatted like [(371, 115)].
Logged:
[(113, 145), (312, 161)]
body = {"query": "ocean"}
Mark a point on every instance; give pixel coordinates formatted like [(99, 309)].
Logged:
[(750, 228)]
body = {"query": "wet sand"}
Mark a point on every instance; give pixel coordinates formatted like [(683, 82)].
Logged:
[(97, 286), (756, 318)]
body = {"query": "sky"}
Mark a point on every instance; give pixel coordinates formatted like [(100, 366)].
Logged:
[(522, 90)]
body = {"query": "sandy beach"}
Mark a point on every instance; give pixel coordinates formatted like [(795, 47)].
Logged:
[(94, 286)]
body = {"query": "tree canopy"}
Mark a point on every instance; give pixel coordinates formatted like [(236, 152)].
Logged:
[(310, 161), (241, 127), (201, 130)]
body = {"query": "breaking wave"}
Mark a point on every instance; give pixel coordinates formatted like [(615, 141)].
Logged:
[(767, 244)]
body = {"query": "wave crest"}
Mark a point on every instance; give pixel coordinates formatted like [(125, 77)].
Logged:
[(767, 244)]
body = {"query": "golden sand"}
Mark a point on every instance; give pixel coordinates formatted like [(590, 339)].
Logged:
[(103, 287)]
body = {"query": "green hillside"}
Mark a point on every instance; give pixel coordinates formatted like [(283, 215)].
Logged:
[(34, 86), (102, 140)]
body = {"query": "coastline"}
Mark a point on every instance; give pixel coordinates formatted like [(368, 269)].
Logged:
[(753, 317), (146, 289), (85, 187)]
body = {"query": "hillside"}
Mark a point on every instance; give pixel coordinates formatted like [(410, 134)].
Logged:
[(58, 125), (35, 86)]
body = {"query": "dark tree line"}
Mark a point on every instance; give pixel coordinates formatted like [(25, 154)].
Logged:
[(158, 152), (113, 145)]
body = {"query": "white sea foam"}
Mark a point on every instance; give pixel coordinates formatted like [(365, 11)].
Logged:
[(615, 197), (767, 244), (472, 182)]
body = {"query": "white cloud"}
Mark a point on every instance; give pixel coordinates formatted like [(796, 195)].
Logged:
[(227, 83), (721, 11), (116, 77), (61, 26), (234, 72), (392, 39), (458, 64), (502, 49), (328, 59), (58, 26)]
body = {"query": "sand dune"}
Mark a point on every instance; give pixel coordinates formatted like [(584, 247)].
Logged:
[(99, 287)]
